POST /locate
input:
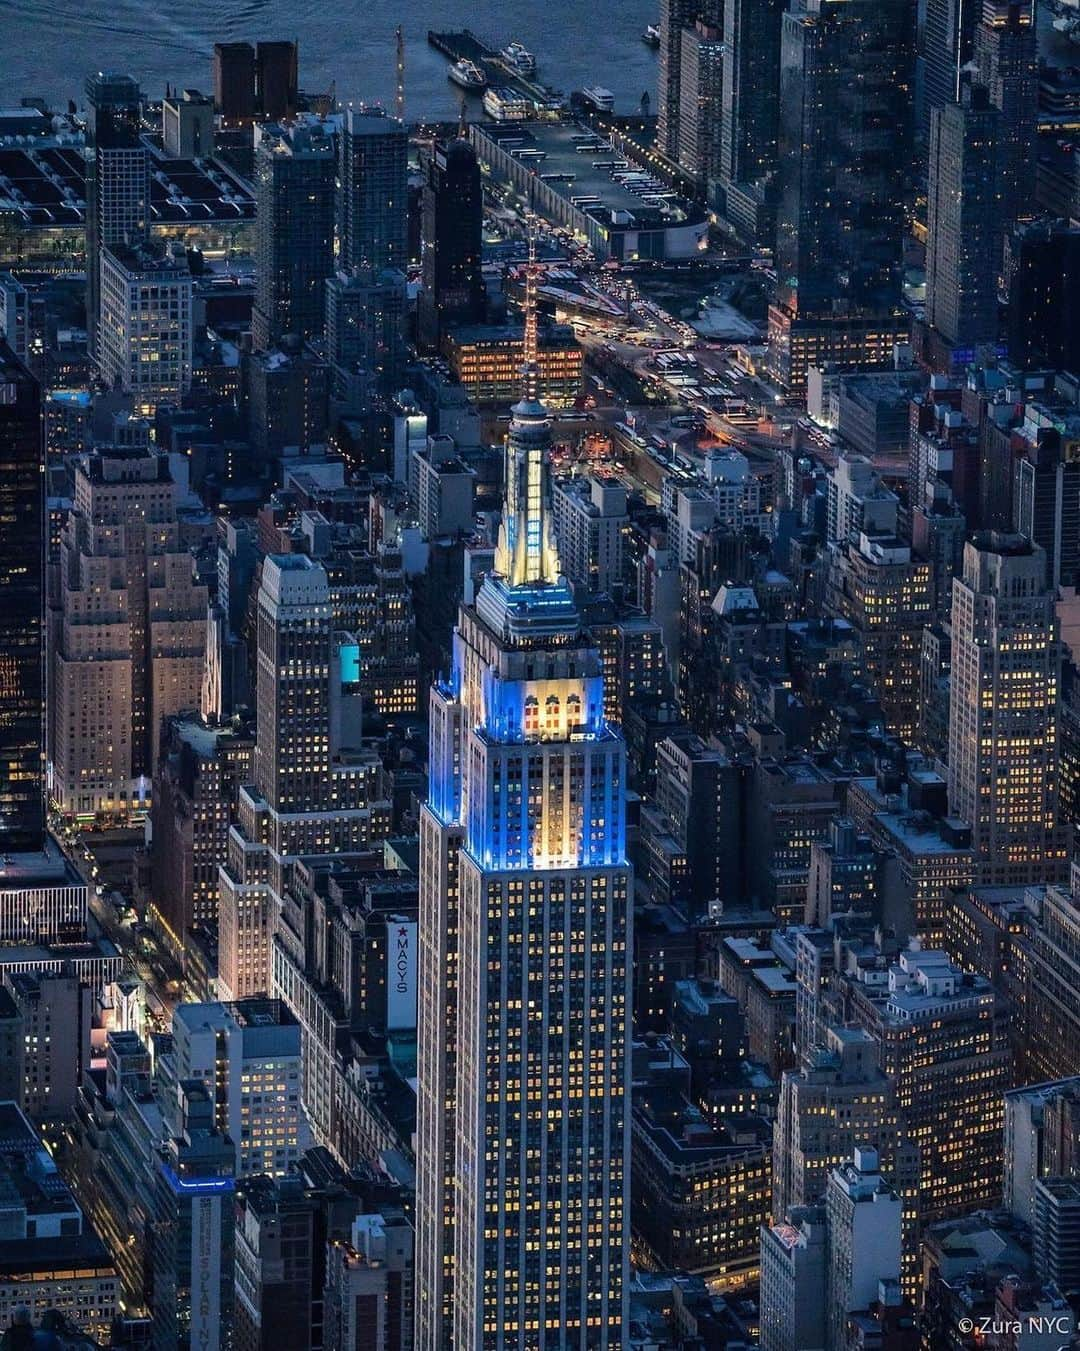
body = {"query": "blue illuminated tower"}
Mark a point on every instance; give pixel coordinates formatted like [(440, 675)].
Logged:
[(523, 1117)]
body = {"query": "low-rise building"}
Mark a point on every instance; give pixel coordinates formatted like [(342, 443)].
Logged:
[(50, 1256), (487, 362), (700, 1192)]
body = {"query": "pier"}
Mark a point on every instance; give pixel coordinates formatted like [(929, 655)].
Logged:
[(465, 45)]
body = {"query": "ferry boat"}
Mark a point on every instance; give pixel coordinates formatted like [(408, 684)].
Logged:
[(508, 105), (514, 54), (651, 36), (603, 100), (467, 74)]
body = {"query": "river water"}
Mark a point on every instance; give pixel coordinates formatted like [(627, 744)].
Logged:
[(49, 46)]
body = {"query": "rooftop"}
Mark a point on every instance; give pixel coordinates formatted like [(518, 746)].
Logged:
[(29, 1178), (547, 335), (681, 1133), (46, 187), (925, 834), (148, 257), (42, 867), (587, 173)]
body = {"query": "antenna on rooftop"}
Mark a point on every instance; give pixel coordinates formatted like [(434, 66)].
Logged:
[(399, 99)]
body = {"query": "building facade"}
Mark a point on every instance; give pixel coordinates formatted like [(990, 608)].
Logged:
[(523, 1117), (1003, 711), (146, 324), (451, 233), (373, 153), (117, 180), (22, 581), (316, 789), (294, 236), (845, 66), (127, 633), (963, 244)]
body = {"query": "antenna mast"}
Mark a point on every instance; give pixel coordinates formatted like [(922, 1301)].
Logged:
[(530, 370), (399, 101)]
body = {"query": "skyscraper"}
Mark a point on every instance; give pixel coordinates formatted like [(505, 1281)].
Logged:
[(701, 84), (365, 335), (963, 247), (794, 1275), (119, 669), (117, 179), (146, 324), (248, 1056), (942, 1037), (234, 82), (1042, 273), (452, 208), (373, 174), (946, 43), (885, 594), (1046, 504), (838, 1099), (674, 17), (749, 123), (15, 322), (194, 1231), (523, 1113), (845, 71), (22, 562), (315, 788), (294, 231), (1042, 1139), (677, 20), (276, 79), (1007, 63), (1004, 693)]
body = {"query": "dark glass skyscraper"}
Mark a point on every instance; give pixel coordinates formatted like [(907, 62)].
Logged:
[(1042, 272), (964, 220), (845, 76), (845, 134), (373, 174), (234, 82), (452, 205), (294, 233), (745, 187), (22, 547), (1007, 63), (945, 46), (276, 79), (748, 119)]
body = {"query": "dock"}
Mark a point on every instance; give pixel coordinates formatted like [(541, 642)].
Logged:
[(464, 45), (461, 46)]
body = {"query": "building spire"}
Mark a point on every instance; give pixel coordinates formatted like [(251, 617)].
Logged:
[(527, 555)]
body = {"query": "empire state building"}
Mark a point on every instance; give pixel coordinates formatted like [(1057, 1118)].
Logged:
[(523, 1117)]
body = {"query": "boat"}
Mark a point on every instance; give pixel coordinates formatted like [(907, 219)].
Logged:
[(651, 36), (603, 100), (467, 74), (508, 105), (514, 54)]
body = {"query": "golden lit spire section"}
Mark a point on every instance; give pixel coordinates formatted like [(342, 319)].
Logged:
[(527, 554)]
